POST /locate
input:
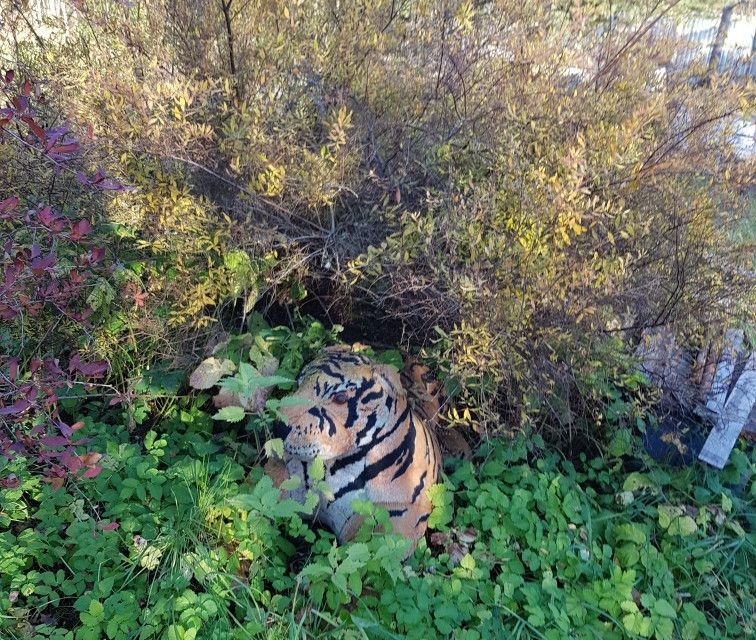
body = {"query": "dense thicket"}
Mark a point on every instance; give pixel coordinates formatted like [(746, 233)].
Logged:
[(516, 183)]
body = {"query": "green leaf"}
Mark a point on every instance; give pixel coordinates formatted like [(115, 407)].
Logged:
[(636, 481), (630, 532), (290, 483), (96, 610), (690, 630), (734, 526), (230, 414), (105, 586), (627, 555), (270, 381), (442, 506), (666, 514), (621, 444), (673, 519), (392, 357), (683, 526), (664, 609), (664, 629), (316, 469), (112, 628), (274, 448)]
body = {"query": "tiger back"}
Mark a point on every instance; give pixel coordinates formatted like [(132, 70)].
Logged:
[(428, 398), (355, 415)]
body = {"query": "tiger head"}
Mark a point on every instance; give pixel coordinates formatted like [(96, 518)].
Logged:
[(343, 402)]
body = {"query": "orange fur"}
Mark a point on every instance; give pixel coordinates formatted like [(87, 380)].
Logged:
[(354, 414)]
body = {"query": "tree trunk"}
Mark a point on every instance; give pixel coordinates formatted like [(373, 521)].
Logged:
[(226, 8), (720, 38)]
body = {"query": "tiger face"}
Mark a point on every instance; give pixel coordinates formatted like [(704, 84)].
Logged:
[(343, 401)]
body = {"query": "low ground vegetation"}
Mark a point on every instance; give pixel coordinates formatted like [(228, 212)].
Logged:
[(181, 535)]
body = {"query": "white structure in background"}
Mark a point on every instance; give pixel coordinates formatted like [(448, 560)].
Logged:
[(734, 411), (737, 58), (719, 384), (737, 51)]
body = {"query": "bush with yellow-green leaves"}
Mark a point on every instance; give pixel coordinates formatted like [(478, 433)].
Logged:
[(516, 185)]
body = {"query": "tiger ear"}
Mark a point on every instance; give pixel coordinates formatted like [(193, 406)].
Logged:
[(390, 377)]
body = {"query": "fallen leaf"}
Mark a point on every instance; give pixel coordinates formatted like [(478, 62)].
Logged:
[(209, 372)]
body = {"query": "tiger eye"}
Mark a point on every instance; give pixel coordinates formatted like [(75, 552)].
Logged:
[(340, 398)]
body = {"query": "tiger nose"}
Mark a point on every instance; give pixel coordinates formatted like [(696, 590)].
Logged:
[(280, 429)]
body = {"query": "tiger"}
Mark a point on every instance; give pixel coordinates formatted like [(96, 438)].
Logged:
[(354, 414)]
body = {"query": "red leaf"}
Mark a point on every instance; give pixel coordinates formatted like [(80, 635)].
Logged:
[(76, 278), (96, 254), (53, 221), (46, 216), (109, 185), (9, 204), (36, 129), (6, 313), (93, 369), (60, 149), (77, 425), (55, 483), (19, 406), (20, 103), (71, 462), (80, 229), (36, 430), (13, 369), (92, 472), (9, 75), (91, 458), (74, 362), (52, 368), (83, 315), (54, 441), (11, 482), (111, 526), (43, 263), (26, 88)]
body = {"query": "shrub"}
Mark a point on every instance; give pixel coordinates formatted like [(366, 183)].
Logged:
[(56, 285), (436, 165)]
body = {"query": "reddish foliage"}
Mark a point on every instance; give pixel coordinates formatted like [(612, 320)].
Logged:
[(48, 264), (131, 290)]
